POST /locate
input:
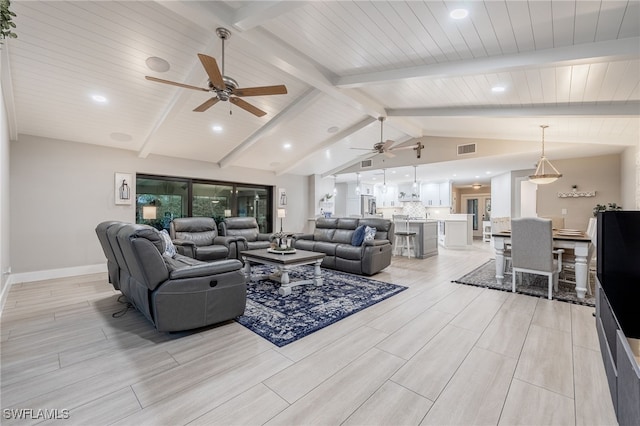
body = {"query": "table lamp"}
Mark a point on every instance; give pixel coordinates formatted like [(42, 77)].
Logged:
[(282, 213), (149, 212)]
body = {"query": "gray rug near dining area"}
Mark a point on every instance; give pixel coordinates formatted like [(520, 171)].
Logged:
[(531, 285)]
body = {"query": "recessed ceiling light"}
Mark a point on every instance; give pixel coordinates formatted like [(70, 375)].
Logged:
[(498, 89), (287, 146), (333, 129), (459, 13), (454, 175), (99, 98), (488, 173), (157, 64), (216, 128)]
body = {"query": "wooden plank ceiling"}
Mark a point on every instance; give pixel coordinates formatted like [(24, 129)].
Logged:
[(574, 65)]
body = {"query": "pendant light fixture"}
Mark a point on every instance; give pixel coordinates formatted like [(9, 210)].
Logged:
[(384, 181), (415, 179), (358, 183), (544, 174), (335, 189)]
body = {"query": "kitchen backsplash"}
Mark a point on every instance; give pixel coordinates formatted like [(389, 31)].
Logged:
[(414, 209)]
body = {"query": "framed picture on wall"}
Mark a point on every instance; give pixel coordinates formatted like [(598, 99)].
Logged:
[(282, 197), (123, 191)]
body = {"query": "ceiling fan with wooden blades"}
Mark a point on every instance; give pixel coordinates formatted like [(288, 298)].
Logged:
[(223, 87), (386, 147)]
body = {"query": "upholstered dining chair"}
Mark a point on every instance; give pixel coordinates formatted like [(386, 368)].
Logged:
[(532, 251)]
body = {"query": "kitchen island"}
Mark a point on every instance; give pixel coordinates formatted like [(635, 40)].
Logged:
[(426, 237), (456, 231)]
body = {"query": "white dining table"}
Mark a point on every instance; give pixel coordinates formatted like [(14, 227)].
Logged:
[(580, 244)]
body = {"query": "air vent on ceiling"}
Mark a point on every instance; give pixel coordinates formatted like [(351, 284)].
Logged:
[(366, 163), (466, 149)]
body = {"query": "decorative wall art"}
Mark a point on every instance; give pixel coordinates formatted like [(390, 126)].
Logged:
[(282, 197), (123, 190)]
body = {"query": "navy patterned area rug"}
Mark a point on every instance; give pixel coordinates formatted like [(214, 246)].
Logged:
[(309, 308), (531, 285)]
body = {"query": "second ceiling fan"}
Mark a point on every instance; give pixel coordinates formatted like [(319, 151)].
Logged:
[(225, 88), (385, 147)]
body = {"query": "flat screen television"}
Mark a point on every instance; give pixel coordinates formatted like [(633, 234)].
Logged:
[(618, 266)]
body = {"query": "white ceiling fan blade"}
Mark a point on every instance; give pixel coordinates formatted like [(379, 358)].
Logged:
[(387, 144), (389, 154)]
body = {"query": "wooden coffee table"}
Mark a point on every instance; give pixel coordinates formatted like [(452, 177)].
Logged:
[(284, 263)]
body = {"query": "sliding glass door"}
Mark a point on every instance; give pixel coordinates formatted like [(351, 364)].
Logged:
[(160, 199)]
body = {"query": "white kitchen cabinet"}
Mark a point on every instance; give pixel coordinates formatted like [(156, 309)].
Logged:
[(436, 194), (387, 199)]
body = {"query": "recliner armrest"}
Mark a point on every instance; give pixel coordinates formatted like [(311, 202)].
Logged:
[(206, 269), (183, 243), (265, 237), (225, 241)]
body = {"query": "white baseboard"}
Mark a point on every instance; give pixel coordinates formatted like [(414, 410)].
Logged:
[(27, 277), (5, 293)]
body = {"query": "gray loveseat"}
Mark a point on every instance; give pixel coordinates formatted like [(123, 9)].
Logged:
[(174, 292), (334, 236)]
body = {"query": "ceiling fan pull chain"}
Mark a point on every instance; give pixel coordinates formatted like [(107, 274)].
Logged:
[(230, 112)]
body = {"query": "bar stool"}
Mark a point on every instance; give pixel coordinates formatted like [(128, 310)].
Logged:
[(401, 223)]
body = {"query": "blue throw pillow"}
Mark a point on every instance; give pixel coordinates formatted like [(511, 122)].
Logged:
[(358, 236), (170, 249), (369, 233)]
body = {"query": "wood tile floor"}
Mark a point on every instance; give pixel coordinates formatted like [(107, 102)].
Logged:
[(437, 353)]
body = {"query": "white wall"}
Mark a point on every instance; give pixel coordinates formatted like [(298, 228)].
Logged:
[(5, 228), (501, 195), (630, 178), (61, 190)]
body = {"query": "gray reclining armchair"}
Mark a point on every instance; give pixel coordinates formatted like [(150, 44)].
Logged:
[(174, 293), (246, 227), (198, 237)]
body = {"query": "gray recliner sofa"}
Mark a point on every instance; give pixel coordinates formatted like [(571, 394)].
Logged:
[(198, 237), (173, 292), (333, 236), (246, 227)]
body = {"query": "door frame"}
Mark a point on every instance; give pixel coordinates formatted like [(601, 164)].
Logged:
[(482, 199)]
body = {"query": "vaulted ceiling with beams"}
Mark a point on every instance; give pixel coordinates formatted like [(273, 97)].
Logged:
[(493, 76)]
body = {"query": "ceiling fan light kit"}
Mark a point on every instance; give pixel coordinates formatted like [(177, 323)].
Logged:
[(543, 174), (224, 87)]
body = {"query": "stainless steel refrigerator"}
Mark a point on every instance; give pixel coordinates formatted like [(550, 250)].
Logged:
[(367, 205)]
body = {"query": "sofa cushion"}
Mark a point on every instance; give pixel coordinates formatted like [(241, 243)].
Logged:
[(358, 236), (347, 251), (169, 248), (343, 236), (382, 226), (325, 247), (199, 238), (369, 233), (323, 234), (348, 223)]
